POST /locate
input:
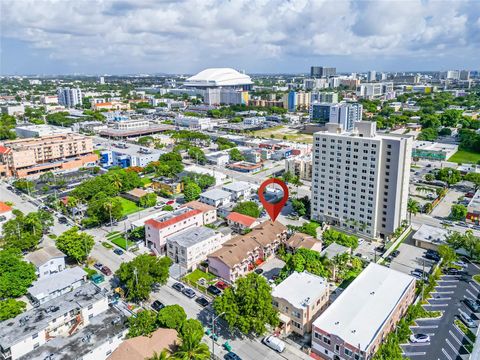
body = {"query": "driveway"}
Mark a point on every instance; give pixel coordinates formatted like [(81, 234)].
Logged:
[(410, 258), (447, 341), (272, 267), (444, 206)]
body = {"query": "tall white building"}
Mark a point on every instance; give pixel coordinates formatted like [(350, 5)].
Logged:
[(372, 76), (324, 97), (360, 179), (69, 97), (346, 114)]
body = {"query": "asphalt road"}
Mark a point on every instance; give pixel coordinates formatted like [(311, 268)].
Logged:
[(447, 341)]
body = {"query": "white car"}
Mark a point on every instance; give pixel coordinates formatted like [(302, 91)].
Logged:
[(360, 241), (460, 263), (274, 343), (467, 319), (419, 338)]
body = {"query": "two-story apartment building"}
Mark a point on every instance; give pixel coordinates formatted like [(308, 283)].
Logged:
[(300, 298), (209, 212), (239, 190), (356, 323), (60, 317), (241, 254), (216, 197), (189, 247), (47, 260), (240, 223)]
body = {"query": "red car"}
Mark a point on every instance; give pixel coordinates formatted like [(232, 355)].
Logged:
[(170, 202), (106, 270), (221, 285)]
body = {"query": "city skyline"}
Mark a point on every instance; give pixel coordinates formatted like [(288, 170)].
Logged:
[(106, 37)]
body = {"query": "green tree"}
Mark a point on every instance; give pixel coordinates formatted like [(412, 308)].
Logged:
[(75, 244), (333, 236), (248, 305), (447, 253), (429, 177), (163, 355), (140, 275), (287, 176), (16, 275), (299, 207), (191, 191), (10, 308), (305, 260), (171, 317), (449, 175), (197, 154), (142, 324), (474, 178), (25, 231), (101, 206), (148, 200), (428, 134), (236, 155), (413, 208), (458, 212), (192, 347), (249, 208)]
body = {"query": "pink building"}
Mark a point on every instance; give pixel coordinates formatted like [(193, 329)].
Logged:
[(242, 254)]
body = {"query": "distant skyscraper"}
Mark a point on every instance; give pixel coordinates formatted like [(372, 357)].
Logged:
[(102, 80), (69, 97), (372, 76), (320, 71), (465, 75), (324, 97), (453, 75), (320, 113)]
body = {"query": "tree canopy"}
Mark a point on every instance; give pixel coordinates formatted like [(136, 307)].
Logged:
[(172, 317), (249, 208), (248, 305), (191, 191), (141, 274), (75, 244), (330, 236), (16, 275)]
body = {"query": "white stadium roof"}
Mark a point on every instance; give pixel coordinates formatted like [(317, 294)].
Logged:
[(218, 77)]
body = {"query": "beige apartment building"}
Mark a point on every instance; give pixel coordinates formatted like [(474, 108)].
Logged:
[(33, 156), (300, 299), (300, 166)]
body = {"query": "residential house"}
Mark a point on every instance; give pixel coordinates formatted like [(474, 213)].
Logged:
[(134, 194), (47, 260), (209, 212), (190, 247), (55, 285), (240, 190), (358, 321), (170, 186), (5, 213), (144, 347), (242, 254), (300, 298), (302, 241), (216, 197), (240, 223)]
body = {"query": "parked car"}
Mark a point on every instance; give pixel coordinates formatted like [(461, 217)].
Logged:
[(62, 220), (467, 319), (460, 263), (380, 249), (214, 290), (258, 271), (178, 286), (118, 251), (472, 305), (221, 285), (274, 343), (157, 305), (395, 253), (10, 188), (158, 206), (232, 356), (361, 241), (98, 266), (432, 256), (189, 293), (419, 338), (106, 270), (170, 202), (202, 301)]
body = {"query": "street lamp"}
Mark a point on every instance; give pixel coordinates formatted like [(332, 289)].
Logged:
[(213, 333)]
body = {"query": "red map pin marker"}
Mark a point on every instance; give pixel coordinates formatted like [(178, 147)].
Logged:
[(273, 209)]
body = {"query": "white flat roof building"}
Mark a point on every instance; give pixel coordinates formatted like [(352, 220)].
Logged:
[(29, 131), (364, 313), (433, 150)]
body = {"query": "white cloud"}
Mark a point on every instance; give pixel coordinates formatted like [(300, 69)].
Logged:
[(149, 35)]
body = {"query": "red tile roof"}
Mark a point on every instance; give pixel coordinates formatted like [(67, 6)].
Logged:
[(4, 208), (245, 220), (163, 224), (4, 150)]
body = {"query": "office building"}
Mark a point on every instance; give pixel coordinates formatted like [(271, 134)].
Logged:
[(191, 246), (360, 179), (194, 123), (320, 71), (35, 131), (127, 154), (358, 321), (465, 75), (320, 112), (101, 80), (431, 237), (453, 75), (300, 299), (69, 97), (324, 97), (49, 99), (13, 110), (473, 208), (294, 101), (372, 76), (346, 114), (430, 150), (33, 156)]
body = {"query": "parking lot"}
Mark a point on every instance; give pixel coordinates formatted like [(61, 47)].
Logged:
[(271, 268), (410, 258), (447, 341)]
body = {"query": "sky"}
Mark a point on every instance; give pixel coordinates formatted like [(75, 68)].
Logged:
[(257, 36)]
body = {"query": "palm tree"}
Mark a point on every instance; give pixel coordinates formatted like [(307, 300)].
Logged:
[(192, 351), (116, 180), (164, 355), (296, 182), (413, 207)]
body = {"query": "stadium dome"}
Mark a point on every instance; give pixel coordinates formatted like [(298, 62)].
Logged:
[(218, 77)]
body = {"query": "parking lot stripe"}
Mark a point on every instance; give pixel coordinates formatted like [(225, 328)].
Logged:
[(451, 346), (462, 334), (418, 353), (424, 326), (446, 354), (446, 286), (445, 292), (448, 281), (456, 339), (436, 305), (471, 294), (473, 286)]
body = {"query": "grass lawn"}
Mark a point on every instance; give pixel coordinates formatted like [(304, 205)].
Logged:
[(120, 241), (129, 207), (465, 156), (281, 131), (197, 274), (146, 181)]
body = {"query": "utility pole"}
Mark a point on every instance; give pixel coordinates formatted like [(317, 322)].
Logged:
[(213, 333)]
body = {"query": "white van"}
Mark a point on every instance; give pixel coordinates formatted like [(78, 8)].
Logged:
[(274, 343)]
